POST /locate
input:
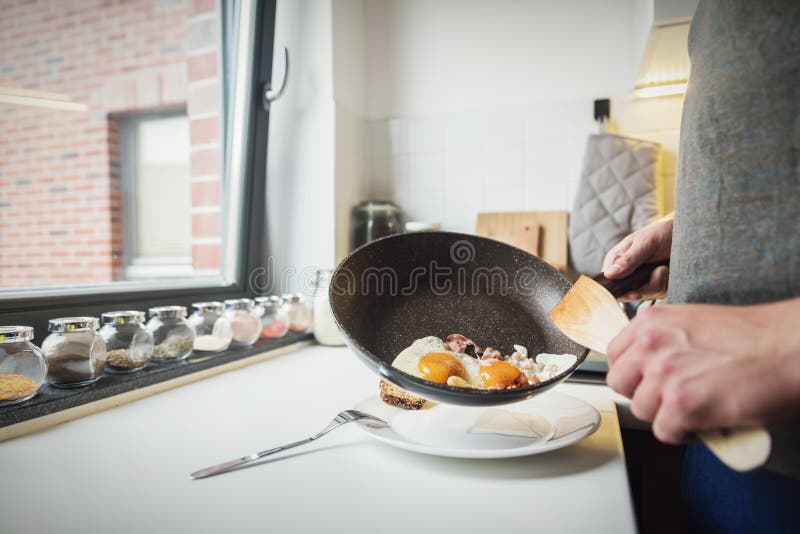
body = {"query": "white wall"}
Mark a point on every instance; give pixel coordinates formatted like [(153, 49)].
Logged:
[(460, 55), (486, 106), (447, 107), (350, 94)]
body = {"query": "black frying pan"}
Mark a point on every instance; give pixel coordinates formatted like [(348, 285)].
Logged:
[(392, 291)]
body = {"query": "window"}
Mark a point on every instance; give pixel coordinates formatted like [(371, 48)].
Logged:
[(124, 183), (157, 209), (129, 175)]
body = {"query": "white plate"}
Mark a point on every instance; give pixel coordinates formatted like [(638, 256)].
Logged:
[(544, 423)]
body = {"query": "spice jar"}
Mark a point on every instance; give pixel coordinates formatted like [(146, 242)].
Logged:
[(172, 336), (75, 352), (212, 330), (22, 365), (298, 311), (129, 346), (373, 219), (325, 330), (245, 322), (274, 318)]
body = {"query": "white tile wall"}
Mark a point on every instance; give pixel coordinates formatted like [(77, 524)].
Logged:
[(447, 168)]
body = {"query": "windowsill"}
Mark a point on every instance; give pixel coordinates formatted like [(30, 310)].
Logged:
[(52, 400)]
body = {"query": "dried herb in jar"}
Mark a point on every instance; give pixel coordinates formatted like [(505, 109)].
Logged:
[(123, 359), (173, 347)]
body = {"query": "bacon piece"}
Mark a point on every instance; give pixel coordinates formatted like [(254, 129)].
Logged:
[(490, 353), (522, 380), (463, 344)]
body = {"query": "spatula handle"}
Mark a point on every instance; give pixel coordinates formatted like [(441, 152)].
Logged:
[(742, 449), (635, 280)]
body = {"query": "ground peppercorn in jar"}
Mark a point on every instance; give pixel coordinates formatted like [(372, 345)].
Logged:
[(75, 352)]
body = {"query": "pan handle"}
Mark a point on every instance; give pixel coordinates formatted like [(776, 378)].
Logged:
[(636, 279)]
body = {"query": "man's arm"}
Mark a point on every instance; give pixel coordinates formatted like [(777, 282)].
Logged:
[(698, 367)]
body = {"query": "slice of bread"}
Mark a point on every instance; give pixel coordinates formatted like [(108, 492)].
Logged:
[(395, 396)]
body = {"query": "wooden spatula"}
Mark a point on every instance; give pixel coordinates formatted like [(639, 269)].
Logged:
[(590, 315)]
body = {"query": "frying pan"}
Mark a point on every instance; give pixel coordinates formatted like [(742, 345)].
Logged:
[(395, 290)]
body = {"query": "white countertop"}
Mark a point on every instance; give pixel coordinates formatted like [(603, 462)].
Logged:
[(126, 469)]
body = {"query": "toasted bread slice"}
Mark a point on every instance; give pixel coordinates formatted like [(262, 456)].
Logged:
[(395, 396)]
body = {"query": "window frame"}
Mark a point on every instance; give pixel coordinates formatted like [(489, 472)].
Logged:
[(251, 251)]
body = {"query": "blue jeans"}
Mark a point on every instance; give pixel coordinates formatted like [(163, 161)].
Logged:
[(718, 499)]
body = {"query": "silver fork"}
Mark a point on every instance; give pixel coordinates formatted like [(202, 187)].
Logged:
[(341, 418)]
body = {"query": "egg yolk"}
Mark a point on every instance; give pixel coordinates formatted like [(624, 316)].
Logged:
[(499, 374), (439, 366)]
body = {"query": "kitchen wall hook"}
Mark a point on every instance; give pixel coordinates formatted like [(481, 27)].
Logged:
[(271, 95)]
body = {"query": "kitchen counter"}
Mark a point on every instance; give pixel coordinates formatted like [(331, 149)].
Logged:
[(126, 469)]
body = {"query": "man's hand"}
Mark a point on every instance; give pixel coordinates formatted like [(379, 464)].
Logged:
[(651, 243), (699, 367)]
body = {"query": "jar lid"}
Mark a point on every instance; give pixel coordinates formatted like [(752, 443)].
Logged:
[(123, 317), (167, 312), (15, 334), (376, 206), (205, 307), (293, 298), (270, 300), (239, 304), (270, 303), (72, 324)]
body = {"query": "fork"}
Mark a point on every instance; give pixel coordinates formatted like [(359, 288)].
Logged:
[(342, 418)]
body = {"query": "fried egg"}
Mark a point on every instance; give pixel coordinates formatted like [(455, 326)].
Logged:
[(429, 358), (498, 374)]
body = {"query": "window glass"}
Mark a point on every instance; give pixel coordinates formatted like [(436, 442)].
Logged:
[(111, 121), (157, 212)]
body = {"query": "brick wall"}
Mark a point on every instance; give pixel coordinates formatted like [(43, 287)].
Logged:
[(60, 197)]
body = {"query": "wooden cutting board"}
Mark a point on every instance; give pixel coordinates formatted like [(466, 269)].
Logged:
[(543, 233)]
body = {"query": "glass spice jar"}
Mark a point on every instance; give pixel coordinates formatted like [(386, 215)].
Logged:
[(373, 219), (129, 346), (325, 330), (22, 365), (212, 330), (245, 322), (274, 317), (173, 338), (75, 352), (299, 313)]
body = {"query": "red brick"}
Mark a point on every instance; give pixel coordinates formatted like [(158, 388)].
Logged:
[(206, 225), (202, 67), (205, 162), (199, 7), (202, 131), (203, 99), (206, 193), (206, 256)]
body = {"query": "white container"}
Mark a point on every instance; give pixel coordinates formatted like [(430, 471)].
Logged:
[(325, 330)]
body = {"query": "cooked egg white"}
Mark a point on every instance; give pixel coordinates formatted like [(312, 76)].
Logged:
[(408, 360), (430, 358)]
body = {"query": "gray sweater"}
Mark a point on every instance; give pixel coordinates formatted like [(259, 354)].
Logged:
[(737, 219)]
